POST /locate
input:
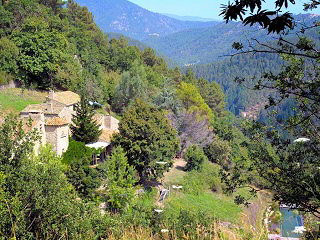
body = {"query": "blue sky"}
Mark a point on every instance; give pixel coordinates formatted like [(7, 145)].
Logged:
[(202, 8)]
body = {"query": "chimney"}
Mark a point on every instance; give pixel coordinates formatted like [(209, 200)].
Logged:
[(51, 94)]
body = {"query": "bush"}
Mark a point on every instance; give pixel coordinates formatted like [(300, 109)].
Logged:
[(197, 182), (194, 158), (219, 151)]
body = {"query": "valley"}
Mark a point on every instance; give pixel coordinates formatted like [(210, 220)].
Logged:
[(121, 123)]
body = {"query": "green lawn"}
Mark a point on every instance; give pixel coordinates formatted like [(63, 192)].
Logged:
[(14, 100), (196, 195), (214, 205)]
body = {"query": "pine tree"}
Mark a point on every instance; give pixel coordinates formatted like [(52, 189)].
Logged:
[(85, 128)]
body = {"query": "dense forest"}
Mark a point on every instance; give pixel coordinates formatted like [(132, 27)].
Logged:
[(164, 115)]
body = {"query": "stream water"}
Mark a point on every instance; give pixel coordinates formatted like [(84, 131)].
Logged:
[(290, 221)]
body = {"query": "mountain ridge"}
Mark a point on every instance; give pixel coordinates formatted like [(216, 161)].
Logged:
[(124, 17), (205, 45), (190, 18)]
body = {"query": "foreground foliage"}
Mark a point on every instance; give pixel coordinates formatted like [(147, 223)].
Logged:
[(31, 187), (288, 168), (119, 179)]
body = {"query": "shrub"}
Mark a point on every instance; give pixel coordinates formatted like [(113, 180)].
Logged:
[(197, 182), (194, 157), (219, 151)]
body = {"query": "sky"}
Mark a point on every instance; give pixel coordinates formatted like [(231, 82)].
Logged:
[(203, 8)]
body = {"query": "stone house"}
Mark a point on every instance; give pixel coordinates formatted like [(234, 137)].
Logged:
[(52, 120), (107, 122), (59, 104), (57, 134), (53, 131), (67, 99)]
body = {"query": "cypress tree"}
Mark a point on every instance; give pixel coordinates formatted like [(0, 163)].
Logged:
[(85, 128)]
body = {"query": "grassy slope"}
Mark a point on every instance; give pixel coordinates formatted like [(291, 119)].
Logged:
[(14, 100), (231, 220), (196, 195)]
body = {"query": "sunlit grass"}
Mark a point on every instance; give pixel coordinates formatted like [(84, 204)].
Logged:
[(214, 205), (14, 100)]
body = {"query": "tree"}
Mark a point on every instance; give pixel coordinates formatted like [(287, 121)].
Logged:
[(9, 53), (8, 60), (191, 130), (285, 168), (16, 144), (274, 20), (78, 157), (288, 169), (212, 95), (219, 151), (42, 52), (85, 128), (5, 20), (121, 179), (147, 138), (192, 100), (132, 85), (193, 120)]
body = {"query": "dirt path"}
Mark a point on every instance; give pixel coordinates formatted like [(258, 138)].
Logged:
[(176, 172)]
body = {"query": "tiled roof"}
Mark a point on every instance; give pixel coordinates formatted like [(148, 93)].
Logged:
[(106, 135), (44, 107), (66, 97), (56, 121)]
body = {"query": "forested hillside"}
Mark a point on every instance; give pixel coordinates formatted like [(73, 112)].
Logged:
[(206, 45), (250, 67), (50, 45)]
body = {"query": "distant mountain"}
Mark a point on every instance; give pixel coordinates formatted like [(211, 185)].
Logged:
[(124, 17), (204, 45), (190, 18), (200, 46)]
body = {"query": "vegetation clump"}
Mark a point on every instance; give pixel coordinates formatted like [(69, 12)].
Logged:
[(195, 157), (148, 138)]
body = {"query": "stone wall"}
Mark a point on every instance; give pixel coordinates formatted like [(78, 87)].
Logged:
[(51, 136), (66, 114), (57, 136), (62, 139), (111, 123)]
